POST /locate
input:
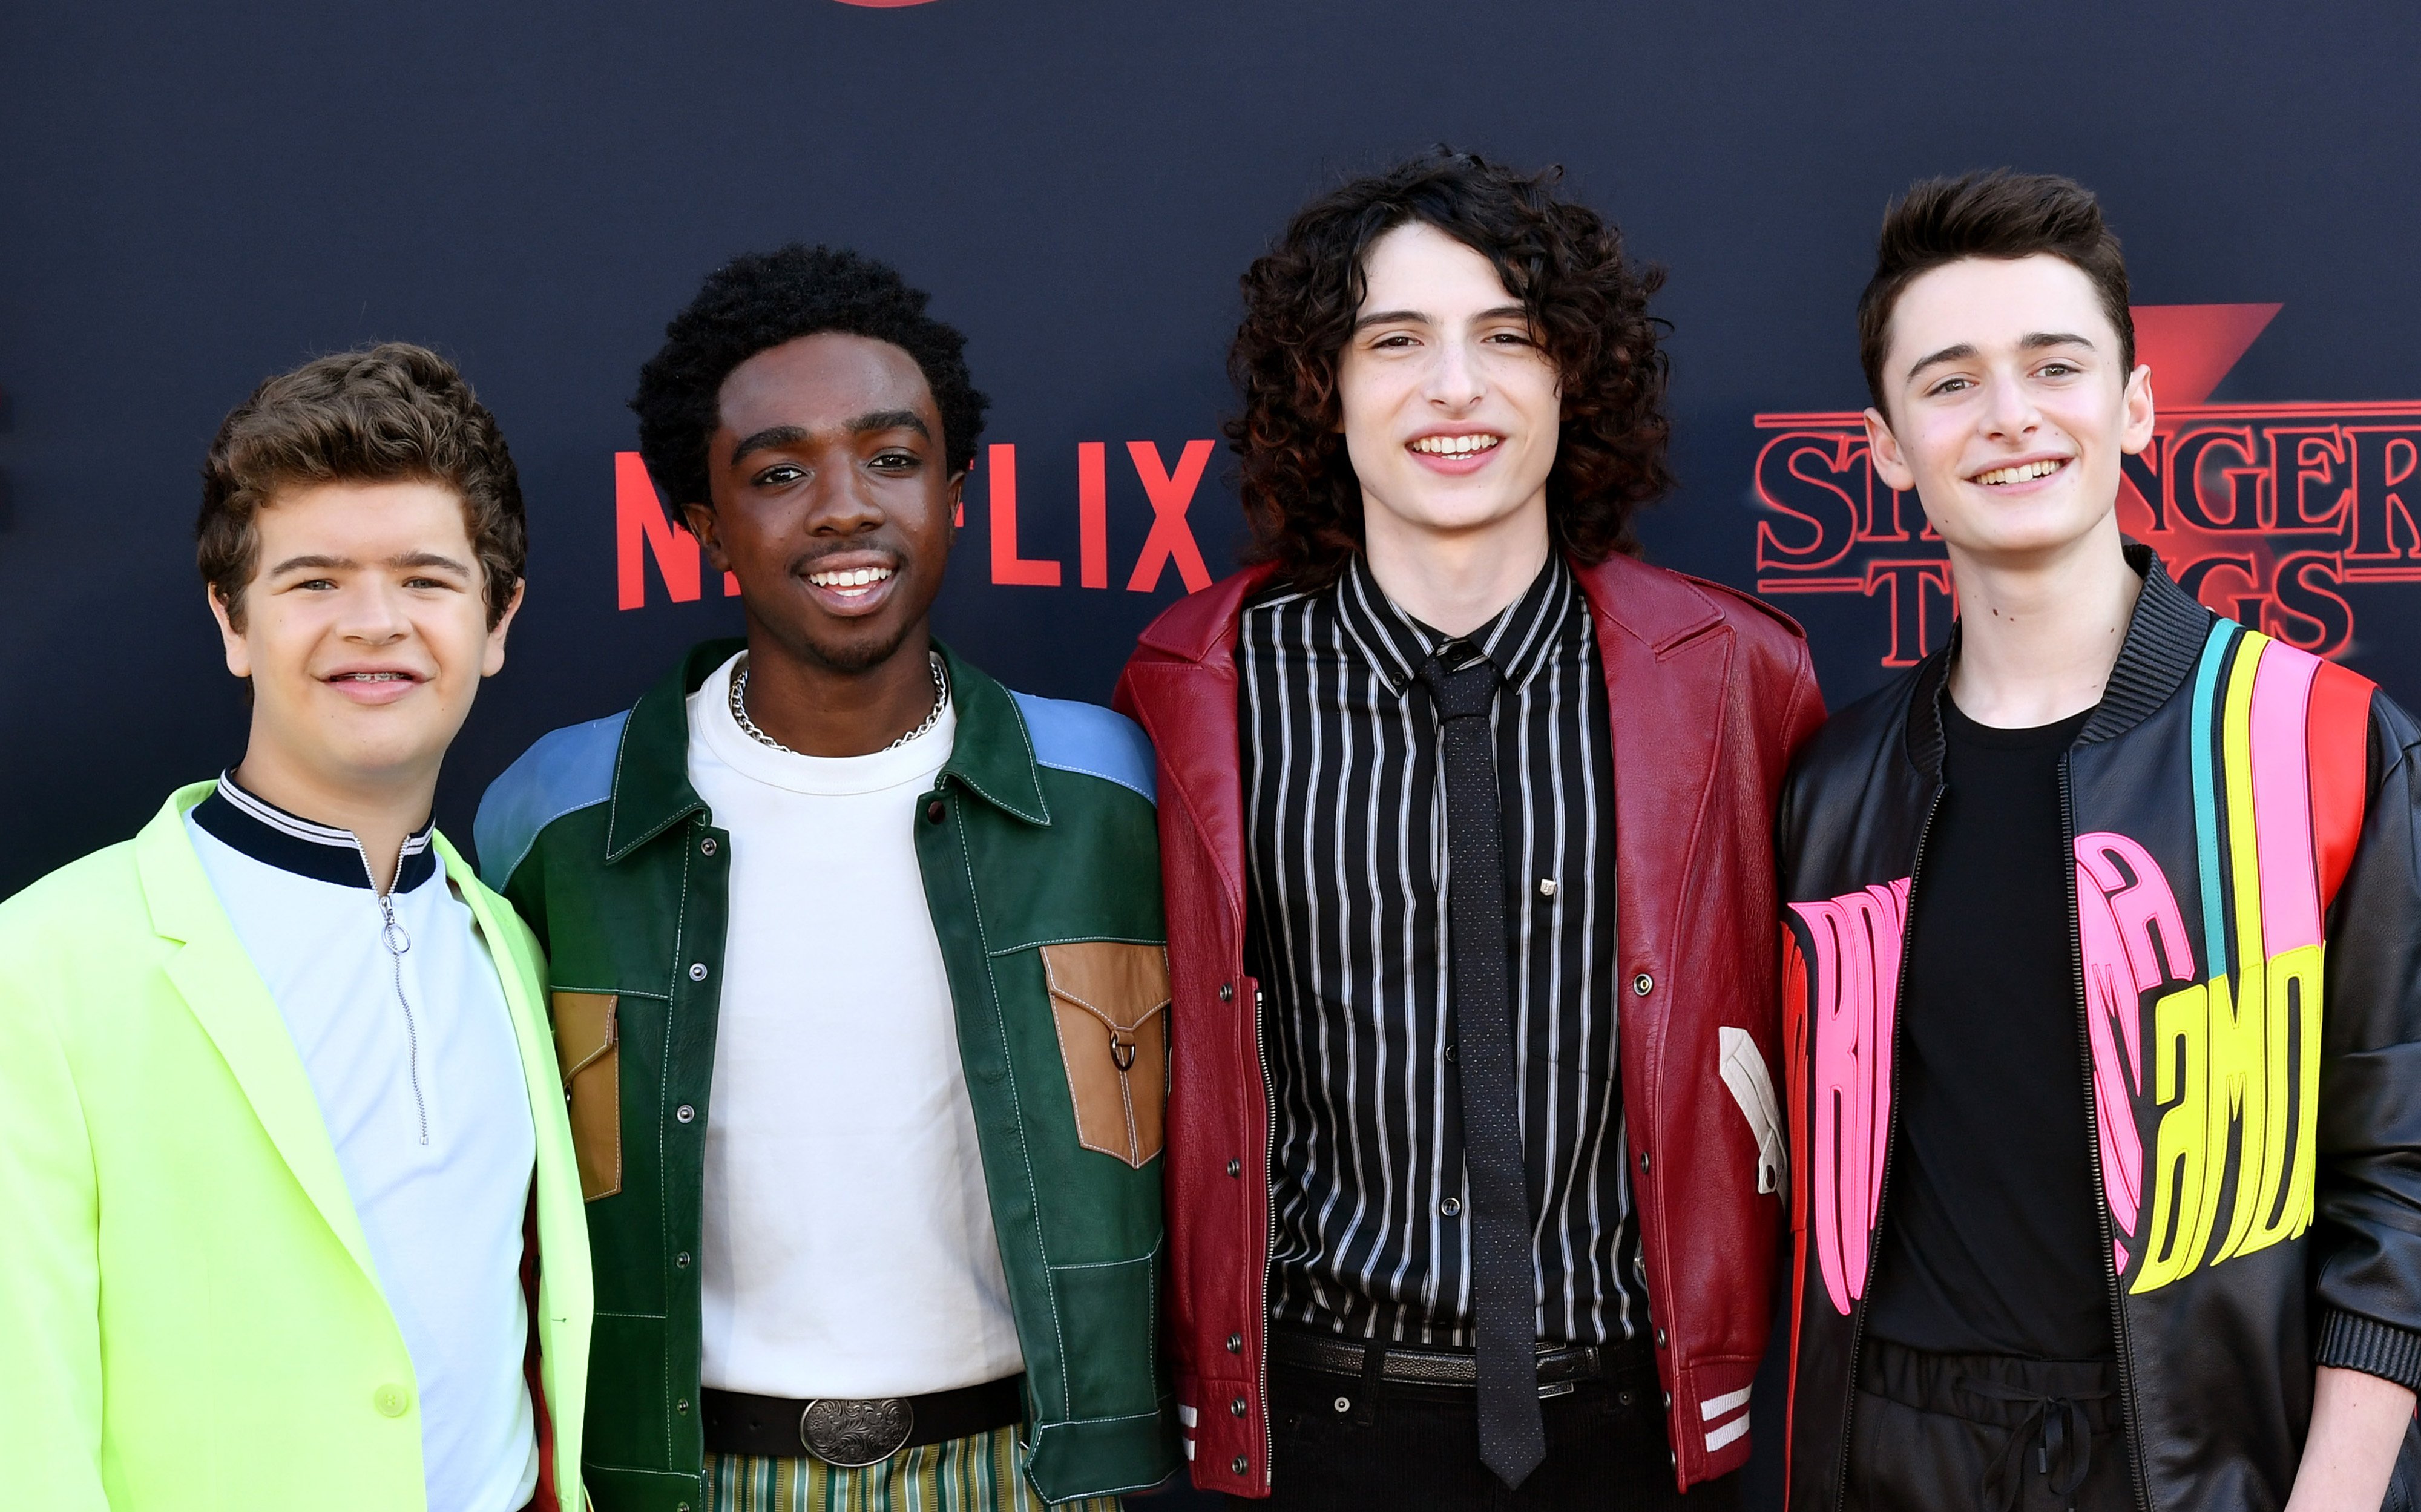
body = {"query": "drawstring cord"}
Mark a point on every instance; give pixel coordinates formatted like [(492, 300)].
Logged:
[(2062, 1437)]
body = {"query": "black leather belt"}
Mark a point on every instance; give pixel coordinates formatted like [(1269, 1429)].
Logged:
[(853, 1434), (1450, 1368)]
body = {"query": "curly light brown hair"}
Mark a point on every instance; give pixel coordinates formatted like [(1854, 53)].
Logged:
[(1562, 260), (387, 413)]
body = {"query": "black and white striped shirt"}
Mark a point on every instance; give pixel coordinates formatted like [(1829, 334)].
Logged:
[(1345, 806)]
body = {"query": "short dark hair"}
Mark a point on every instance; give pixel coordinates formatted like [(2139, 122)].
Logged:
[(387, 413), (2003, 215), (754, 302), (1561, 259)]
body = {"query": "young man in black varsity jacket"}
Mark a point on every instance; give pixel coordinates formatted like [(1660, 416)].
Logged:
[(2100, 935)]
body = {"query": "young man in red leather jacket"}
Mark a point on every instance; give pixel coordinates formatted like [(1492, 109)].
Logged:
[(1474, 1161)]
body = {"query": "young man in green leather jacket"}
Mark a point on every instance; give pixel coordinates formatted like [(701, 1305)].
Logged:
[(858, 971)]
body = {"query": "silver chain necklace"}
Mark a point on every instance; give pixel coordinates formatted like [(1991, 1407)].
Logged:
[(739, 708)]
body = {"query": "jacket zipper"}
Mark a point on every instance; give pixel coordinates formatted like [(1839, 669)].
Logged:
[(1268, 1228), (2093, 1143), (1890, 1139), (398, 939)]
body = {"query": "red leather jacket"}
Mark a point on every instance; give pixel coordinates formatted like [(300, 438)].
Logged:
[(1712, 693)]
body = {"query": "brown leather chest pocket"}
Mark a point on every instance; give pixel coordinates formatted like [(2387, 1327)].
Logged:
[(587, 1045), (1110, 1001)]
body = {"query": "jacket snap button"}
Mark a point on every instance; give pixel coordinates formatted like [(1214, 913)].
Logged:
[(1237, 1407), (706, 846), (934, 811), (1642, 984), (1668, 1401), (682, 1407), (1643, 1159), (1235, 1344), (1626, 1399), (1227, 991), (697, 971), (1235, 1169), (681, 1261), (1344, 1404), (684, 1112), (1660, 1338), (1239, 1464)]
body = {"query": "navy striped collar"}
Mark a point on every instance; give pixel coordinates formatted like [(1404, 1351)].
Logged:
[(290, 842)]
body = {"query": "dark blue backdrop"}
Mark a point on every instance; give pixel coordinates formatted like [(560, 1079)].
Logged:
[(196, 197)]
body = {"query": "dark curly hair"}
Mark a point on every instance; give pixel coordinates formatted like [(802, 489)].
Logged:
[(758, 301), (1562, 260)]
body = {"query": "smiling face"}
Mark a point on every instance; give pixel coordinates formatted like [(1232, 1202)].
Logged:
[(1449, 406), (832, 498), (2008, 408), (365, 633)]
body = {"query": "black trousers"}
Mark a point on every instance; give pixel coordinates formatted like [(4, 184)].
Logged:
[(1419, 1450), (2001, 1434)]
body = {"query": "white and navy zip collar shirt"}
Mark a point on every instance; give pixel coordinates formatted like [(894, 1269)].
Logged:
[(401, 1024), (1346, 864)]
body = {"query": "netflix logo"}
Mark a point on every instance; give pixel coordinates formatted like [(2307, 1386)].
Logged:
[(646, 530)]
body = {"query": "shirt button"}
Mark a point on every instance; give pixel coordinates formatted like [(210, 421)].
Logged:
[(706, 846), (684, 1112), (697, 971), (1642, 984), (391, 1401), (1546, 887), (1450, 1207), (1449, 1054), (681, 1261)]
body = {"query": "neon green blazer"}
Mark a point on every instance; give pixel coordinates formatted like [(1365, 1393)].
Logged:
[(190, 1320)]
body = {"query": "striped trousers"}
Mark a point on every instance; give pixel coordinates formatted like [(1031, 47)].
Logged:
[(977, 1473)]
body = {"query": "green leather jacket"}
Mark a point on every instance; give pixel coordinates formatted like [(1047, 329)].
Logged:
[(1042, 869)]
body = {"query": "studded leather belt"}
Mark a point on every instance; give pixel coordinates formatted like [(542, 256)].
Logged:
[(1450, 1368), (854, 1433)]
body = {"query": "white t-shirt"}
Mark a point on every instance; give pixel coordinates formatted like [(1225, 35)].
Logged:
[(847, 1246), (426, 1106)]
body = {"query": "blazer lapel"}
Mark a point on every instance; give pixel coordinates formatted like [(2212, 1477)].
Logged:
[(226, 995), (1665, 679)]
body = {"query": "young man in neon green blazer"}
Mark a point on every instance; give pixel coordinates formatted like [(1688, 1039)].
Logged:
[(291, 1214)]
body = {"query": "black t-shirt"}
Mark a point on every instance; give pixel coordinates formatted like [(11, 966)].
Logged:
[(1991, 1244)]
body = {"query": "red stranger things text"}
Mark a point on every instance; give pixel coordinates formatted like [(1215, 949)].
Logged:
[(644, 529), (2264, 511)]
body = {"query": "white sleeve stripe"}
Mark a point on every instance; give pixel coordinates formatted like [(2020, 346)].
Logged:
[(1725, 1434), (1715, 1406), (1187, 1415)]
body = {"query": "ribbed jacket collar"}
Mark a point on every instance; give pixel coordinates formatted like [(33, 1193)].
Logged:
[(2164, 638)]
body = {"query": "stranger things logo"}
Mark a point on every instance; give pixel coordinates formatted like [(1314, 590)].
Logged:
[(2268, 513)]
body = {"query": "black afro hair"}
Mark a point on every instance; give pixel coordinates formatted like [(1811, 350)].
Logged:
[(760, 301)]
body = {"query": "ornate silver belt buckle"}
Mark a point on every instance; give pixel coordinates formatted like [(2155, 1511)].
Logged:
[(851, 1435)]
